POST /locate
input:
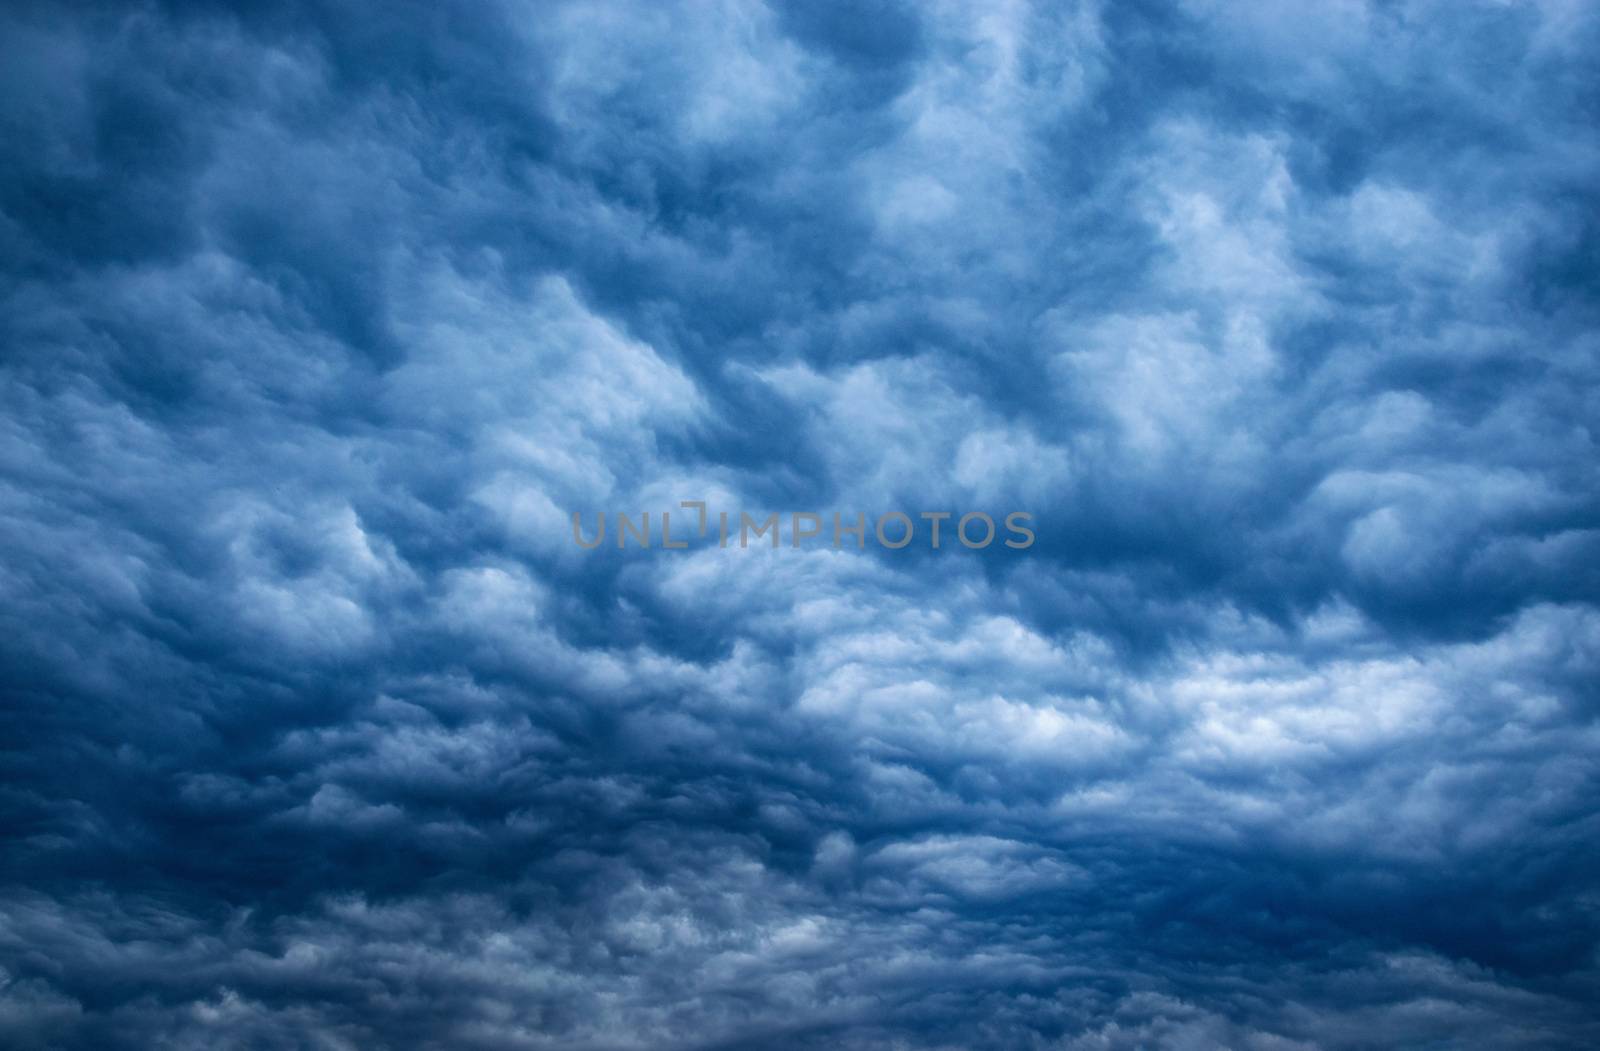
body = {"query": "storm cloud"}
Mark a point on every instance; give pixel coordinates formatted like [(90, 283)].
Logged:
[(319, 321)]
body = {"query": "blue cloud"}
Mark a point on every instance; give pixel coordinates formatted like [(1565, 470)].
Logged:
[(320, 322)]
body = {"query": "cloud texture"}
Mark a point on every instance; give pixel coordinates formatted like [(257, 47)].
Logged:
[(319, 320)]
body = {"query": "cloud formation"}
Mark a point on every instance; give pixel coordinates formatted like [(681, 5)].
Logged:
[(320, 321)]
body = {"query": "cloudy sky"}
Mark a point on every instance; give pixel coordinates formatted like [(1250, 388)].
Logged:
[(318, 322)]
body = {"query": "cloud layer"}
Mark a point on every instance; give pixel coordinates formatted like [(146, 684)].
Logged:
[(319, 323)]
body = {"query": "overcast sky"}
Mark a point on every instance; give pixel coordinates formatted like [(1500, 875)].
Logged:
[(319, 321)]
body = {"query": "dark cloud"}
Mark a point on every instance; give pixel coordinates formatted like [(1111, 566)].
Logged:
[(319, 322)]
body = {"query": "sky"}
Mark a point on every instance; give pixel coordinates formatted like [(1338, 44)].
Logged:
[(319, 321)]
